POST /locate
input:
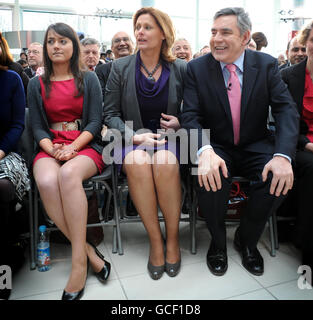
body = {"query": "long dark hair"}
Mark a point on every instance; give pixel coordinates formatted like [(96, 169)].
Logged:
[(76, 65), (5, 57)]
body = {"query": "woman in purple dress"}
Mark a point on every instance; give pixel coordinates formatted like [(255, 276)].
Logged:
[(146, 90)]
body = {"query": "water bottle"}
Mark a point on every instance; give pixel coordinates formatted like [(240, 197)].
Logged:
[(43, 250)]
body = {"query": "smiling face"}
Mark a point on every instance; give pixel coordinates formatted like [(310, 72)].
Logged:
[(148, 34), (182, 50), (122, 45), (226, 43), (59, 48)]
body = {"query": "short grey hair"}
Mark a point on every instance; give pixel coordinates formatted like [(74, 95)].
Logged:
[(243, 19), (90, 41)]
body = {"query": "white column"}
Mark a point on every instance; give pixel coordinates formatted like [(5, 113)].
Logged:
[(16, 16)]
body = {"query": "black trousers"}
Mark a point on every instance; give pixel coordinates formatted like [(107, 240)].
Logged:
[(304, 194), (260, 206)]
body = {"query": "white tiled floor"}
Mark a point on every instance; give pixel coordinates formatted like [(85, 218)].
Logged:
[(129, 278)]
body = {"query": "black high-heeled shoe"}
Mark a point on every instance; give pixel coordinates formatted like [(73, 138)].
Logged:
[(78, 294), (104, 273)]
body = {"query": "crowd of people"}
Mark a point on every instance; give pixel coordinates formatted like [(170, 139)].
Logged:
[(151, 89)]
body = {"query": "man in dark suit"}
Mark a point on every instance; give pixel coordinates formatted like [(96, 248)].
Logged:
[(122, 46), (229, 91)]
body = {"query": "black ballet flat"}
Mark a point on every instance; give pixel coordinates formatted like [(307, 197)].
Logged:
[(104, 273)]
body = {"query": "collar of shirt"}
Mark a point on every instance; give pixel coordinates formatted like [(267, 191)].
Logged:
[(239, 64)]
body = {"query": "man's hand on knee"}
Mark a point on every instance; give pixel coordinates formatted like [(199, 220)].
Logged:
[(209, 170), (282, 180)]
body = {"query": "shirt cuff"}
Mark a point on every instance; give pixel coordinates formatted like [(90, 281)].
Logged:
[(208, 146), (282, 155)]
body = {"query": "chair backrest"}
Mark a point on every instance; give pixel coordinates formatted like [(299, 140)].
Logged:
[(26, 145)]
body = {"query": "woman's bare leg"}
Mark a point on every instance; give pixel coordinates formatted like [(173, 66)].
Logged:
[(137, 166), (167, 181)]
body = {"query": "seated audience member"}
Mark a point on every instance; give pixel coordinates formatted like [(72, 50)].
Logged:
[(65, 111), (35, 59), (228, 93), (260, 40), (90, 53), (251, 45), (281, 59), (23, 63), (146, 89), (13, 172), (299, 81), (109, 56), (296, 52), (205, 50), (23, 55), (182, 50), (11, 64), (196, 55), (122, 46)]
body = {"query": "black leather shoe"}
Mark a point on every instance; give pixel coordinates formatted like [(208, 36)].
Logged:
[(73, 295), (104, 273), (251, 259), (216, 260), (78, 294)]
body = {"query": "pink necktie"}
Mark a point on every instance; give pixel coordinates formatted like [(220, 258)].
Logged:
[(234, 97)]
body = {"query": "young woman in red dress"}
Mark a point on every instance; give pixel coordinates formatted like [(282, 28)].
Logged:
[(65, 111)]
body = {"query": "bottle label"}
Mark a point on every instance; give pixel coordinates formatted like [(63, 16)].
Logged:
[(44, 256)]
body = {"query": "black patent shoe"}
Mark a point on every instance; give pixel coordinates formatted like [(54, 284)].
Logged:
[(217, 261), (155, 272), (78, 294), (104, 273), (251, 258), (73, 295)]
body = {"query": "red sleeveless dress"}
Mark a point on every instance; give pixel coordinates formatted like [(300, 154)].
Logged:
[(63, 106)]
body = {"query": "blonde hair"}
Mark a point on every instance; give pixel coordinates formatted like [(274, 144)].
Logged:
[(164, 22), (304, 33)]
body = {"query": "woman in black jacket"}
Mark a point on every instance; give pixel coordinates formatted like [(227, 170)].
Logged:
[(300, 84)]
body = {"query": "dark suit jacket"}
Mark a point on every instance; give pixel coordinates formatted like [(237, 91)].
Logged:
[(29, 72), (206, 105), (103, 72), (120, 100), (295, 80)]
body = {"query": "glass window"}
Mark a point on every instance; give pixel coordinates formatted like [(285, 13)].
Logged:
[(5, 20)]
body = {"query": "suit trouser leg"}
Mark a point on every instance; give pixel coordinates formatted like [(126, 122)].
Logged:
[(213, 206), (261, 204)]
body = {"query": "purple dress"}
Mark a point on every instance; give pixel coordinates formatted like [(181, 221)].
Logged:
[(153, 100)]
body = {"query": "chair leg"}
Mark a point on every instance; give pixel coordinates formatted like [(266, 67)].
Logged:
[(31, 231), (116, 213), (272, 237), (36, 200), (275, 231), (193, 224)]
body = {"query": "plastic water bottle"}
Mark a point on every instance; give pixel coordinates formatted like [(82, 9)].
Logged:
[(43, 250)]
